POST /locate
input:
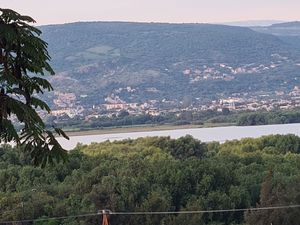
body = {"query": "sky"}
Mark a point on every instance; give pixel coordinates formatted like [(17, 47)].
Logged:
[(173, 11)]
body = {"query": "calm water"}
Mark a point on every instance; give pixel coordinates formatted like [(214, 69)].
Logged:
[(204, 134)]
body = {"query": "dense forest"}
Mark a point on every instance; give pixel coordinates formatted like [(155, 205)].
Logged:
[(157, 174)]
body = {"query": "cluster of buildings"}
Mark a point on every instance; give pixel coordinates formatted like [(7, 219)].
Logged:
[(261, 101), (224, 71), (67, 105)]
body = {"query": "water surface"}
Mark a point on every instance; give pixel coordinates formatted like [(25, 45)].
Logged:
[(220, 134)]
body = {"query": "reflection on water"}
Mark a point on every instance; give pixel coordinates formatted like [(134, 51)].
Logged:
[(220, 134)]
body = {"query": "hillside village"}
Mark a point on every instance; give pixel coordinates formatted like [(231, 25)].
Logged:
[(213, 67), (66, 105)]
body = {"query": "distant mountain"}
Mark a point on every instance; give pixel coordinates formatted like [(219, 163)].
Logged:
[(253, 23), (286, 25), (150, 61), (281, 29)]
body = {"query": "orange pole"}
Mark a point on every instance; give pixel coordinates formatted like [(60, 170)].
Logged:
[(105, 220)]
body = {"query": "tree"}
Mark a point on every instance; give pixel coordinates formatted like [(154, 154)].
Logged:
[(185, 147), (281, 195), (24, 60)]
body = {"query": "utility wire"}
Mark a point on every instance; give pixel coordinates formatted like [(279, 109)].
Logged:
[(108, 212), (206, 211), (51, 218)]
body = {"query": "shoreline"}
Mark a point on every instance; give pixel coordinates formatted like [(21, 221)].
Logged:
[(142, 128)]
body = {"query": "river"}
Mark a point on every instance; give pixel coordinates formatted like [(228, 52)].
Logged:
[(220, 134)]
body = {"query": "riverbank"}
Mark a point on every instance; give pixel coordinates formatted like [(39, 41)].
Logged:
[(142, 128)]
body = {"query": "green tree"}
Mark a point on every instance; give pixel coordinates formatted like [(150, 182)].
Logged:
[(276, 196), (24, 60), (185, 147)]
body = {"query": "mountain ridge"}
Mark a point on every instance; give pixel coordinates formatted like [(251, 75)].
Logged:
[(287, 24), (251, 23)]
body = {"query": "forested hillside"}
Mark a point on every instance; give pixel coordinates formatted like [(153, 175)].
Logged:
[(157, 174), (167, 61)]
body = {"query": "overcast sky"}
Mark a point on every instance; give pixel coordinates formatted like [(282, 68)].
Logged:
[(179, 11)]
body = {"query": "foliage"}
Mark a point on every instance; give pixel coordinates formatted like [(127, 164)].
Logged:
[(156, 174), (23, 62), (210, 117), (276, 196), (274, 117), (98, 58)]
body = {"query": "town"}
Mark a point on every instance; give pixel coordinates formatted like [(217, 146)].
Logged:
[(66, 106)]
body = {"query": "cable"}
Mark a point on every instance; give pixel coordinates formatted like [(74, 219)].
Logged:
[(51, 218), (206, 211), (153, 213)]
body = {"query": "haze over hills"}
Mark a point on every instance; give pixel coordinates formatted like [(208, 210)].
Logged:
[(281, 29), (137, 62), (251, 23)]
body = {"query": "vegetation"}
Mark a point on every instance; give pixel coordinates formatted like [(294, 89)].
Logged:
[(125, 120), (157, 174), (23, 62), (264, 118), (210, 117), (97, 58)]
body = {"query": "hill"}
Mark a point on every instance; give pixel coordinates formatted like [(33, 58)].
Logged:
[(253, 23), (281, 29), (149, 61), (288, 32)]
